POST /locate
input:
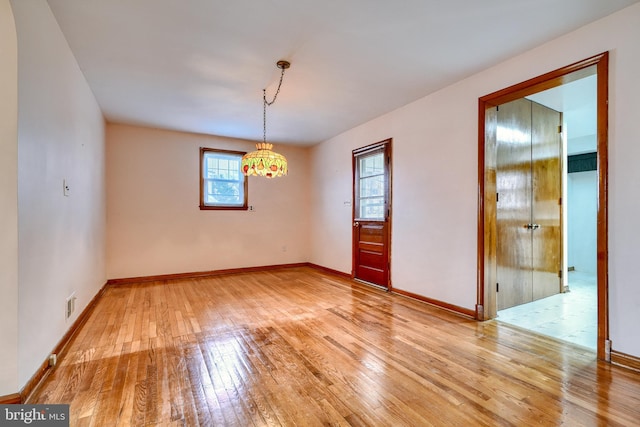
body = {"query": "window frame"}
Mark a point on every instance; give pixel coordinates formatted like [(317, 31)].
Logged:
[(203, 205), (383, 148)]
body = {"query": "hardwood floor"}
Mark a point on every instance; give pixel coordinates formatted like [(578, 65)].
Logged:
[(301, 347)]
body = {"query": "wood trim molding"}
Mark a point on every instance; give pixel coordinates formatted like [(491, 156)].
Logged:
[(196, 274), (440, 304), (10, 399), (625, 360), (568, 74), (330, 271), (60, 348), (602, 227)]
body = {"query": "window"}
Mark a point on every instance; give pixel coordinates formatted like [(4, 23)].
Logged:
[(222, 184), (371, 184)]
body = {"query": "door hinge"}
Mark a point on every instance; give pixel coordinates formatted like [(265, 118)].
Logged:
[(497, 108), (560, 201), (560, 129), (497, 287), (560, 274), (497, 197)]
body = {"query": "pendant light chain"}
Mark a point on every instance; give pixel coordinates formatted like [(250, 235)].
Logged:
[(264, 91), (268, 103), (264, 116)]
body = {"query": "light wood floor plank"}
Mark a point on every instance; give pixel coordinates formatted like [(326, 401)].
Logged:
[(302, 347)]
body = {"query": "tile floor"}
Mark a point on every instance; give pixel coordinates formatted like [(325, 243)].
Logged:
[(571, 316)]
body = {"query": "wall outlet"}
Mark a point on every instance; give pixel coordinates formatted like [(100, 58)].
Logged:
[(53, 359), (65, 188), (251, 208)]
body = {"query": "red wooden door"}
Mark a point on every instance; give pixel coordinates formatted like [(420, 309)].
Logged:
[(371, 213)]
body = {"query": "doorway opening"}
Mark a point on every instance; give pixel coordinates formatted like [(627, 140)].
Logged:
[(568, 310), (578, 93)]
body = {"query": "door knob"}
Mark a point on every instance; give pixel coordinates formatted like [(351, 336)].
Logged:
[(356, 224), (532, 226)]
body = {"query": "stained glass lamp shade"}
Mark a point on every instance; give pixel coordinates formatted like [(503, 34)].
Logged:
[(264, 162)]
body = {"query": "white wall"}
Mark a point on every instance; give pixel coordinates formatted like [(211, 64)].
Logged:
[(155, 224), (582, 209), (60, 136), (8, 201), (435, 176), (581, 144)]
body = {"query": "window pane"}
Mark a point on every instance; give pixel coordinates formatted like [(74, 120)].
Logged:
[(372, 208), (224, 192), (224, 183), (372, 165), (372, 186), (210, 167)]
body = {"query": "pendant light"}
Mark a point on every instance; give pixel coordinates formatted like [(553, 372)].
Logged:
[(263, 161)]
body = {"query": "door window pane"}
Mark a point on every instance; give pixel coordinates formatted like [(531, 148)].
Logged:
[(371, 186), (372, 208), (372, 165)]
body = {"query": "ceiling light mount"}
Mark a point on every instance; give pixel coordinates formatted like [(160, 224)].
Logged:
[(283, 65)]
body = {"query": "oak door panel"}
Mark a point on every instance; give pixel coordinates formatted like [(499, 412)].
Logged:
[(513, 185), (547, 192), (529, 187)]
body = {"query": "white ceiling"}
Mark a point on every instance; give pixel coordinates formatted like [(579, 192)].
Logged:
[(200, 65)]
